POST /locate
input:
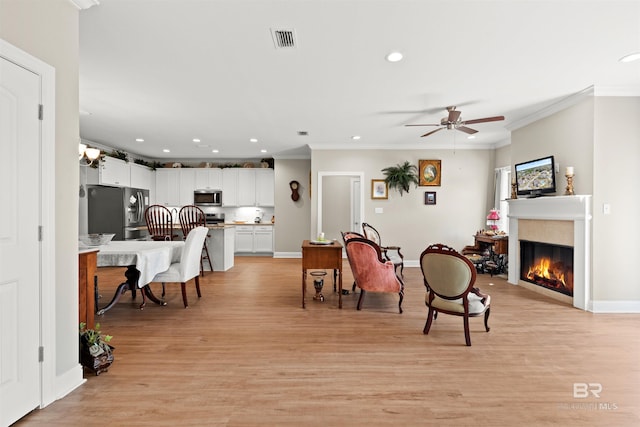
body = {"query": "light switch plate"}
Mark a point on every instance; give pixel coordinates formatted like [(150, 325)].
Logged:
[(606, 208), (379, 210)]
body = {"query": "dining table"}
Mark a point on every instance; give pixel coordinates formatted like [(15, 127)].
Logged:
[(144, 259)]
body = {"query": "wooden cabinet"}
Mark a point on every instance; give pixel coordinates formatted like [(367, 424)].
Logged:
[(208, 178), (254, 239), (87, 262), (110, 171)]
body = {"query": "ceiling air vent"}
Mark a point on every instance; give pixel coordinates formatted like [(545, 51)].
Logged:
[(284, 39)]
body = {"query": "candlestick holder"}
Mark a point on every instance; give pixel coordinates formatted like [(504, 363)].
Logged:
[(569, 189), (514, 192)]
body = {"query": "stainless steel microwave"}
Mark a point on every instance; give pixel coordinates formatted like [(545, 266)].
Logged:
[(207, 197)]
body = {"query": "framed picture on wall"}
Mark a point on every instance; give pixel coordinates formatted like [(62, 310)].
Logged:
[(430, 173), (429, 197), (379, 189)]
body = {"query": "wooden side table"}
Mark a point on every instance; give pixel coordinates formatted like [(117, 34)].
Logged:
[(87, 261), (322, 257)]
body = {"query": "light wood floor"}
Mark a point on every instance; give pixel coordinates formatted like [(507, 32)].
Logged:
[(247, 354)]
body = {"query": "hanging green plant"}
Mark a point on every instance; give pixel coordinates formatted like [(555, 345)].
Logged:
[(401, 176)]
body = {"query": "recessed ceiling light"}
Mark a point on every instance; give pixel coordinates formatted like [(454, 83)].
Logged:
[(139, 140), (394, 57), (196, 140), (471, 137), (166, 150), (355, 137), (253, 140), (215, 151), (263, 151), (631, 57)]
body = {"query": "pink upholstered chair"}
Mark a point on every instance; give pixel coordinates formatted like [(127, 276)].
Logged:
[(346, 235), (371, 271), (449, 278)]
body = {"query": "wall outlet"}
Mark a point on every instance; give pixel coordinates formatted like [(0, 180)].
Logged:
[(379, 210)]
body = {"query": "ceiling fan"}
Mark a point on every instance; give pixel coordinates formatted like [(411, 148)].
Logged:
[(453, 121)]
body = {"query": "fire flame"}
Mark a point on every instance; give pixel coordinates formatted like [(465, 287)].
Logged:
[(543, 269)]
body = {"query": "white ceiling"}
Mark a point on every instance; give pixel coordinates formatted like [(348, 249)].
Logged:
[(169, 71)]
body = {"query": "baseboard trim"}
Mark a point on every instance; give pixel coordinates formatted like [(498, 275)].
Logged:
[(621, 307), (287, 254)]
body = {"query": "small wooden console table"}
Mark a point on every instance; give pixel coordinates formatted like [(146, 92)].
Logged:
[(322, 257)]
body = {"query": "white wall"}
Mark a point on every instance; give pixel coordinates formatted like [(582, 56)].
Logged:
[(292, 217), (616, 174), (462, 200)]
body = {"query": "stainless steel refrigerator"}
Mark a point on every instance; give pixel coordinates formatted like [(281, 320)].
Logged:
[(118, 210)]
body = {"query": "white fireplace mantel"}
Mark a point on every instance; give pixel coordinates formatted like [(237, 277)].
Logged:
[(563, 208)]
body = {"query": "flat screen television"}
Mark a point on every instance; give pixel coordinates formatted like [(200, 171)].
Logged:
[(536, 177)]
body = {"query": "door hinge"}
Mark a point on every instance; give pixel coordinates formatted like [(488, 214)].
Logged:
[(39, 233), (40, 354), (40, 111)]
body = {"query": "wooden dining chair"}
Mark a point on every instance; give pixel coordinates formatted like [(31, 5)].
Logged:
[(159, 223), (190, 217)]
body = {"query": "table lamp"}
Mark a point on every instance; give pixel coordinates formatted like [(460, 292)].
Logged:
[(492, 218)]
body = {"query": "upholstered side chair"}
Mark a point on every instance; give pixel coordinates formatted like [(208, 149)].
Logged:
[(392, 253), (346, 235), (371, 271), (449, 278), (189, 265)]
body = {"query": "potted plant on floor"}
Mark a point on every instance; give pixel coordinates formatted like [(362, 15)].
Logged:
[(95, 351)]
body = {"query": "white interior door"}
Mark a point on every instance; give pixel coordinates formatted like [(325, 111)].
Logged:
[(19, 243), (356, 221)]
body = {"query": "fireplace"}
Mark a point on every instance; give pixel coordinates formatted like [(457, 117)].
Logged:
[(547, 265), (563, 221)]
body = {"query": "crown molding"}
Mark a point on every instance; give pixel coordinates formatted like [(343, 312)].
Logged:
[(84, 4), (547, 111)]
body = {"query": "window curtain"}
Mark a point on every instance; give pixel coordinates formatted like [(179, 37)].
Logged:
[(500, 195)]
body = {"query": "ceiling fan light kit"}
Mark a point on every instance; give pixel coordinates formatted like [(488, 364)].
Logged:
[(454, 121)]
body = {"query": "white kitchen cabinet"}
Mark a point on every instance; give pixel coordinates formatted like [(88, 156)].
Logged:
[(110, 171), (208, 178), (221, 248), (142, 177), (246, 187), (263, 238), (230, 187), (254, 239), (265, 187), (168, 187), (244, 238), (187, 185)]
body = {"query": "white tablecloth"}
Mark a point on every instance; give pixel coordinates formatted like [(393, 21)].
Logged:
[(149, 257)]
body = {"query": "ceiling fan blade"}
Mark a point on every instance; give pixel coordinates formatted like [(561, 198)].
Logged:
[(429, 133), (466, 130), (431, 124), (486, 119), (454, 115)]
